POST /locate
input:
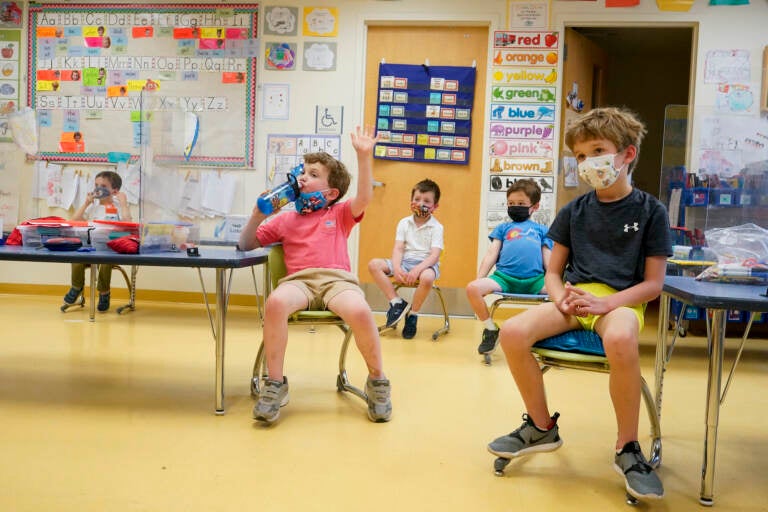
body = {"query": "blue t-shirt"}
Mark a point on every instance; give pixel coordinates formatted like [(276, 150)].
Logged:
[(521, 244)]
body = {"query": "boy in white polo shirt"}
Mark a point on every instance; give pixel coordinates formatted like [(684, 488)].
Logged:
[(415, 257)]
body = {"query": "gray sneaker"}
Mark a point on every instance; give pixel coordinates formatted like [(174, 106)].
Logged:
[(640, 479), (527, 439), (273, 396), (379, 402)]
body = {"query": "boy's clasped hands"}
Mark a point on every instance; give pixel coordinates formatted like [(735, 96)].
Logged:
[(580, 302)]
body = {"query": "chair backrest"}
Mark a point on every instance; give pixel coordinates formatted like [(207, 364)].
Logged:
[(276, 265)]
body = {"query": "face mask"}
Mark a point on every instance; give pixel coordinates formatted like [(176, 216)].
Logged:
[(308, 202), (599, 171), (101, 192), (421, 210), (519, 213)]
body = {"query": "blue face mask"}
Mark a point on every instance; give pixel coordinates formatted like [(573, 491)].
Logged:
[(308, 202)]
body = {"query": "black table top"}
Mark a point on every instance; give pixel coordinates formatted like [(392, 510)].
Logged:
[(705, 294), (210, 257)]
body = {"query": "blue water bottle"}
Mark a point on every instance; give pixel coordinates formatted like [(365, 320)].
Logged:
[(282, 194)]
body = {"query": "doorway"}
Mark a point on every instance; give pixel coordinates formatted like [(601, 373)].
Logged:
[(643, 68)]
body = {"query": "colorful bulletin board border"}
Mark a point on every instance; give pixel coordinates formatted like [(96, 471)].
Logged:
[(424, 113), (209, 38)]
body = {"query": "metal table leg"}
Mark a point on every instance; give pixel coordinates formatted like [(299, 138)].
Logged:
[(714, 375)]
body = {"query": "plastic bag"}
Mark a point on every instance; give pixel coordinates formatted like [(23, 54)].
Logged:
[(742, 255)]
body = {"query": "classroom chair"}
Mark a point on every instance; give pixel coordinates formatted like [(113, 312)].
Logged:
[(276, 270), (519, 299), (583, 350), (129, 282), (446, 319)]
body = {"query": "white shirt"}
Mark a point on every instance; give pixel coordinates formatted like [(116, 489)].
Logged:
[(419, 240)]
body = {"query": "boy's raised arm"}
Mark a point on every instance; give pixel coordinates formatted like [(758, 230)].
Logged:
[(363, 141)]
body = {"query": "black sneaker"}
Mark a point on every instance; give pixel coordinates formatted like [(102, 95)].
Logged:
[(72, 295), (490, 338), (397, 312), (409, 329)]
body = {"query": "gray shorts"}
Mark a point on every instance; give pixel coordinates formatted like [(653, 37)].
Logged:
[(408, 265)]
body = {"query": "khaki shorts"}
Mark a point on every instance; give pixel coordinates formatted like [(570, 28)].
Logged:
[(603, 290), (321, 285)]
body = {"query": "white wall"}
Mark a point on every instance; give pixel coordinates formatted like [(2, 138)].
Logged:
[(740, 27)]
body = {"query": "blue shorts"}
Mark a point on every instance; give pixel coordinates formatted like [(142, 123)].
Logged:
[(408, 265)]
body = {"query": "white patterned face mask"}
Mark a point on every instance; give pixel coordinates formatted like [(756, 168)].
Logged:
[(599, 171)]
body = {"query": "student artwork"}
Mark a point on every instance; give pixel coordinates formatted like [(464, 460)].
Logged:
[(275, 99), (24, 130), (319, 57), (10, 14), (281, 21), (734, 99), (726, 66), (280, 56), (320, 22)]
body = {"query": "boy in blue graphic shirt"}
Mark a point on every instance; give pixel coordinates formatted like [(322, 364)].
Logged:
[(519, 250)]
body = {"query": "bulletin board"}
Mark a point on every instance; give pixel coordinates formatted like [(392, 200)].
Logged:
[(101, 73)]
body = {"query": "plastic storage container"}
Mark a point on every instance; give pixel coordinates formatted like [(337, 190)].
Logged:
[(100, 236), (30, 236)]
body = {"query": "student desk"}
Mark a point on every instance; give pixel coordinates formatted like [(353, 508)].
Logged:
[(717, 299), (220, 259)]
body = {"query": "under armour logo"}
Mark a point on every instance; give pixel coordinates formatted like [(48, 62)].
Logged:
[(627, 227)]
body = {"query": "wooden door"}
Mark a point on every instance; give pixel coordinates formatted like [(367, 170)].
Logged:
[(460, 185), (585, 66)]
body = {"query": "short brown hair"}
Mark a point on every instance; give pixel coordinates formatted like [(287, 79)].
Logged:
[(529, 187), (618, 125), (427, 185), (338, 176), (112, 177)]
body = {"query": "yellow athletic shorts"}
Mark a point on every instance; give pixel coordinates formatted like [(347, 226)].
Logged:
[(603, 290)]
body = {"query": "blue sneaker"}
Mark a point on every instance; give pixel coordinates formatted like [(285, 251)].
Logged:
[(103, 302), (409, 329), (72, 295), (396, 312)]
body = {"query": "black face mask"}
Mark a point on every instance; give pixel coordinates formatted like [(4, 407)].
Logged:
[(518, 213)]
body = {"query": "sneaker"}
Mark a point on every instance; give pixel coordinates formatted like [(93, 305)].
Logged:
[(488, 344), (527, 439), (396, 312), (640, 479), (409, 329), (103, 302), (379, 402), (72, 295), (272, 397)]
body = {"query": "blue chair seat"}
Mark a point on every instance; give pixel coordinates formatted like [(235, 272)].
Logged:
[(581, 341)]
